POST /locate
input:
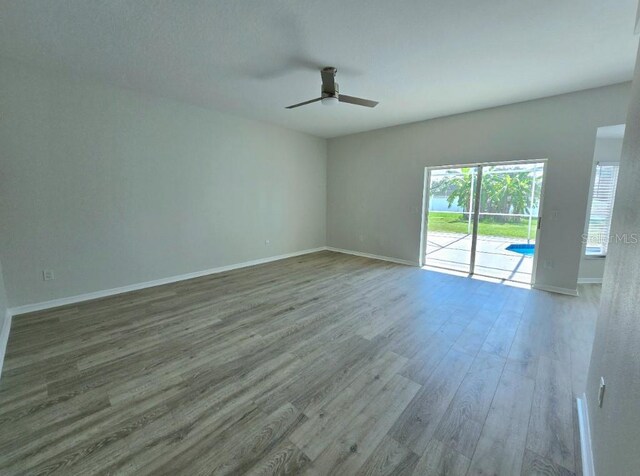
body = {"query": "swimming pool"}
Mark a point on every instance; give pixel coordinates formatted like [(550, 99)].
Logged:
[(523, 249)]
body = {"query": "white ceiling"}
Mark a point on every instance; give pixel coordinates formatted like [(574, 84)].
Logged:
[(419, 58)]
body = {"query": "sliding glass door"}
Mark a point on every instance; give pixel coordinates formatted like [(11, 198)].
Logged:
[(508, 221), (450, 219), (483, 219)]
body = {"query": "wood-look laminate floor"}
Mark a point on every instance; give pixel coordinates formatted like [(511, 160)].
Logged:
[(321, 364)]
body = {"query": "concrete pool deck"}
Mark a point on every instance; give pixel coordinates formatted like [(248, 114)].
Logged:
[(453, 251)]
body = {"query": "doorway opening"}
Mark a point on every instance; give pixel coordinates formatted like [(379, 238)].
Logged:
[(483, 219)]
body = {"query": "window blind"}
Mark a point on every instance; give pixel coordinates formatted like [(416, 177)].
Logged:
[(604, 192)]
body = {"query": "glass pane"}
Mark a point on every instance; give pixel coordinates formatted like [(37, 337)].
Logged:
[(450, 218), (508, 221), (604, 191)]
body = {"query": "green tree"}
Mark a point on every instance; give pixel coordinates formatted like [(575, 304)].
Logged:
[(502, 193), (457, 188)]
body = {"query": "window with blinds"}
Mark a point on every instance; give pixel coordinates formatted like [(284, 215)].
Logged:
[(604, 192)]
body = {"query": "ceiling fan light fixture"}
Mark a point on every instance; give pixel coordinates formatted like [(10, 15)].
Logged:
[(329, 100)]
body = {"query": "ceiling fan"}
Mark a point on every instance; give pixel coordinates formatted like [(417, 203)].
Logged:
[(330, 94)]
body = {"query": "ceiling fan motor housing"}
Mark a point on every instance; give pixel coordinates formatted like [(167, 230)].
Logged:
[(330, 93)]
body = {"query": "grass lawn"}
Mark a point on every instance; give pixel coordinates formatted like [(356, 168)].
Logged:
[(455, 223)]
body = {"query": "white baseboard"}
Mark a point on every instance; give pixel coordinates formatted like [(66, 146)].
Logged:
[(4, 337), (556, 289), (589, 280), (40, 306), (369, 255), (585, 437)]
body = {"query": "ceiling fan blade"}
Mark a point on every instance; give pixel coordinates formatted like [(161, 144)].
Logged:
[(357, 101), (328, 79), (303, 103)]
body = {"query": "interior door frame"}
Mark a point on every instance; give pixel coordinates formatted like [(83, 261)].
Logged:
[(425, 207)]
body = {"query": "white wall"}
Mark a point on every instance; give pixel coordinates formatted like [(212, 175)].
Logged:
[(108, 187), (3, 299), (615, 428), (375, 179), (4, 320), (607, 149)]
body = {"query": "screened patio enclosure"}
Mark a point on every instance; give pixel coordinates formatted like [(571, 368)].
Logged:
[(483, 219)]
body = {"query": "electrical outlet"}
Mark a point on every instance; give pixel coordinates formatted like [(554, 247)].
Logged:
[(547, 264), (47, 275), (267, 242), (601, 392)]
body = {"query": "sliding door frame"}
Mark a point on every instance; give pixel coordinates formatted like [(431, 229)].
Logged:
[(476, 218), (476, 212)]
